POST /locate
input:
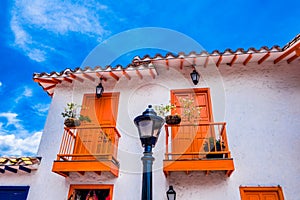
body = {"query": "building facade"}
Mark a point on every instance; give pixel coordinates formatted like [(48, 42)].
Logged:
[(242, 144)]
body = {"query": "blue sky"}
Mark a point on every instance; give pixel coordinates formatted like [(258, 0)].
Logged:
[(46, 36)]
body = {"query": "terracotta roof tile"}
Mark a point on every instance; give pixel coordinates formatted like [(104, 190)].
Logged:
[(14, 164)]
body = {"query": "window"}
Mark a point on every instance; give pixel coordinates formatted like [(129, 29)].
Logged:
[(90, 192), (261, 193)]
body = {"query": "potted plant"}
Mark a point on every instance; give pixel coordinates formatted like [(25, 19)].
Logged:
[(72, 118), (214, 145), (165, 111), (189, 110)]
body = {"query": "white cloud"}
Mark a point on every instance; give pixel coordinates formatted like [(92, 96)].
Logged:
[(11, 119), (18, 141), (27, 92), (41, 109), (0, 83), (11, 145), (33, 20)]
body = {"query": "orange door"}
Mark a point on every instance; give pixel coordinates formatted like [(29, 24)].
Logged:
[(261, 193), (188, 138), (261, 196), (90, 138)]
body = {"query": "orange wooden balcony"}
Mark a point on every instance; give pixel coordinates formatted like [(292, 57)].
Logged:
[(197, 147), (88, 149)]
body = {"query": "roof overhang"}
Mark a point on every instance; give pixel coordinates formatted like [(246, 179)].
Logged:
[(146, 66)]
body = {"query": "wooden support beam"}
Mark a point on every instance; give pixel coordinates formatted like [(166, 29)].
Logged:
[(88, 77), (219, 61), (181, 63), (81, 173), (98, 172), (57, 80), (114, 76), (297, 51), (76, 77), (25, 169), (291, 59), (152, 73), (126, 74), (167, 64), (11, 169), (68, 80), (286, 53), (247, 59), (50, 87), (101, 76), (206, 61), (263, 58), (139, 74), (233, 60), (51, 81)]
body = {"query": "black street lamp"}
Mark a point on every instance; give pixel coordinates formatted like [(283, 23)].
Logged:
[(171, 194), (149, 125)]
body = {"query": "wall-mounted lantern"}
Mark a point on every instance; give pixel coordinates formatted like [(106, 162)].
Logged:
[(195, 77), (99, 89)]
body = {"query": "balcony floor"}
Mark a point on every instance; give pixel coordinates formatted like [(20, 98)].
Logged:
[(81, 166), (224, 164)]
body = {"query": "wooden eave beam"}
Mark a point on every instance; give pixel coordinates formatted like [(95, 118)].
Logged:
[(181, 63), (152, 73), (101, 76), (291, 59), (206, 61), (114, 76), (297, 51), (57, 80), (249, 57), (219, 60), (126, 74), (67, 79), (50, 87), (51, 81), (139, 74), (88, 77), (167, 64), (233, 60), (263, 58), (286, 53), (76, 77)]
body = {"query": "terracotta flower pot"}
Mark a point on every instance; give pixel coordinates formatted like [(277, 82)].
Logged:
[(72, 122), (173, 119)]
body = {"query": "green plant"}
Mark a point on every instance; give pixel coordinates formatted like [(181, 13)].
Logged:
[(189, 109), (71, 111), (164, 110)]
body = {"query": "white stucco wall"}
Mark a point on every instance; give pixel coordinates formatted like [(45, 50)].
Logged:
[(259, 103)]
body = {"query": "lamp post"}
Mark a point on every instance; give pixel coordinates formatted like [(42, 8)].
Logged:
[(149, 125)]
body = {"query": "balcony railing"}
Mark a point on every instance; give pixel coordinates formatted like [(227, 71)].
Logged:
[(197, 147), (88, 149)]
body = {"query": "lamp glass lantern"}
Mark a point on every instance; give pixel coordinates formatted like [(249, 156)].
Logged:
[(149, 126), (99, 89), (171, 194), (195, 77)]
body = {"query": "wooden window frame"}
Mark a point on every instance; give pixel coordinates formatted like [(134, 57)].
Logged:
[(278, 189), (91, 187)]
